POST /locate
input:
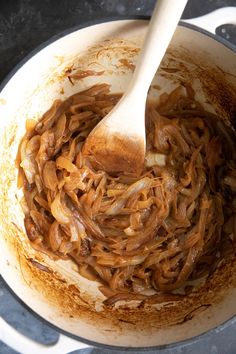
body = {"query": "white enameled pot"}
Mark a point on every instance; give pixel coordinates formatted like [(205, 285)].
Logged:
[(72, 304)]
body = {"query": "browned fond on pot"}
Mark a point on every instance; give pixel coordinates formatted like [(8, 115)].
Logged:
[(78, 305)]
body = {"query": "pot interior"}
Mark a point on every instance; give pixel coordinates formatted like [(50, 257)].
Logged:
[(55, 290)]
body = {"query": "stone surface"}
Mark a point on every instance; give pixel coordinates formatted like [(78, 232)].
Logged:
[(24, 24)]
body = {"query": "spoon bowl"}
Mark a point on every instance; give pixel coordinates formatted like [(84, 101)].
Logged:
[(118, 142)]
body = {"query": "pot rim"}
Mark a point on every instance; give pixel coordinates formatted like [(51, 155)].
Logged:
[(8, 77)]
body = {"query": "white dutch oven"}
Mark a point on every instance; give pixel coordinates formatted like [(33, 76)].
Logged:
[(56, 292)]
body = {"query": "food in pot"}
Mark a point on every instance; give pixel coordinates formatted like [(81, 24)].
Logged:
[(142, 237)]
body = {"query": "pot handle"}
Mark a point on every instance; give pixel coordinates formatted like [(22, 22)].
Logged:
[(24, 345), (215, 19)]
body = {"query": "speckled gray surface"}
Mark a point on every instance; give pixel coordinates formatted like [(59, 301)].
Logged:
[(23, 25), (26, 23)]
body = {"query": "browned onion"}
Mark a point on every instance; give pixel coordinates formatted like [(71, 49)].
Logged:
[(131, 233)]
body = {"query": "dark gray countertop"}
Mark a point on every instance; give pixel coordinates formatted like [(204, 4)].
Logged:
[(23, 25)]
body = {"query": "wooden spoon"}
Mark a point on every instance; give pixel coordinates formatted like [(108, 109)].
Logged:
[(118, 142)]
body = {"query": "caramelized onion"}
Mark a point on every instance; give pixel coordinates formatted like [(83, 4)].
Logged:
[(55, 236), (124, 297), (50, 175), (133, 234), (135, 188), (60, 212)]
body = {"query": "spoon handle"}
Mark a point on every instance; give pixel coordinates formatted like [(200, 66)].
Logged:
[(164, 21)]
